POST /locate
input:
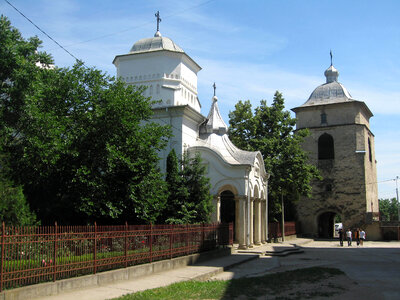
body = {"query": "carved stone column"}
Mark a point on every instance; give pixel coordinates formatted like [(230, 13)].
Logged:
[(257, 221), (241, 222), (263, 227), (216, 214), (236, 226), (251, 222)]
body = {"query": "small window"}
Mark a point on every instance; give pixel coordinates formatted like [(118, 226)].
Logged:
[(369, 150), (323, 118), (328, 188)]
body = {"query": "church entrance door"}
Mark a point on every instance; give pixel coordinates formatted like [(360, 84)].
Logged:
[(326, 226), (228, 208)]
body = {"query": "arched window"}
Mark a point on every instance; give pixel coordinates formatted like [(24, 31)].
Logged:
[(325, 147), (158, 88), (369, 150), (151, 90)]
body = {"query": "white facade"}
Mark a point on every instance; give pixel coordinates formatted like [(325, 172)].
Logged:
[(238, 178)]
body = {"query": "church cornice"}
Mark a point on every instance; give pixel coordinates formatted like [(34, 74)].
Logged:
[(334, 126), (188, 111), (151, 53), (347, 103)]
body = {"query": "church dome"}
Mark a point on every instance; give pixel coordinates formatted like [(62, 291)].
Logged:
[(156, 43), (330, 92)]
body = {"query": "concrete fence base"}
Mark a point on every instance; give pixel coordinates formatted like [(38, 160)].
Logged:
[(103, 278)]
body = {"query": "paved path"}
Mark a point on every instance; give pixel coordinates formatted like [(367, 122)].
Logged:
[(375, 267)]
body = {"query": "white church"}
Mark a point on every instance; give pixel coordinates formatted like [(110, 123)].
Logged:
[(238, 178)]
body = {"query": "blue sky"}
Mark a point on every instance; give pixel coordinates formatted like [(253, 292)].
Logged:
[(249, 48)]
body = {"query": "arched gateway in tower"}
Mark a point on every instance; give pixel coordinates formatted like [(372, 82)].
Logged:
[(341, 145), (238, 178)]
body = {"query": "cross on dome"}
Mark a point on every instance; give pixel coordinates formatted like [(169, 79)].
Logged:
[(215, 87), (157, 15)]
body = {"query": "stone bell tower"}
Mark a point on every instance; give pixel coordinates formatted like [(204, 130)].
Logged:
[(341, 145)]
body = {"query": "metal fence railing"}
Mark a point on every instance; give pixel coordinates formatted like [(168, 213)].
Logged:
[(275, 229), (32, 255)]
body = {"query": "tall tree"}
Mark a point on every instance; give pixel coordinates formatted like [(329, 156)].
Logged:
[(270, 130), (189, 198), (78, 141), (177, 191), (198, 185)]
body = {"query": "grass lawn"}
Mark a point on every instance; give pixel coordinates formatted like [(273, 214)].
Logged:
[(250, 288)]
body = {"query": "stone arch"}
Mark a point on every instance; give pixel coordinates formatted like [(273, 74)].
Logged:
[(326, 223), (228, 207), (228, 187), (326, 148), (256, 191)]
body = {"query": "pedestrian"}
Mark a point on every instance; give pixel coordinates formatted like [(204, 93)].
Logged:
[(349, 237), (357, 236), (362, 237), (341, 236)]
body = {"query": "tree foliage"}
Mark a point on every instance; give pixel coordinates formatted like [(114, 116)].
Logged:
[(189, 198), (78, 141), (389, 209), (14, 209), (270, 130)]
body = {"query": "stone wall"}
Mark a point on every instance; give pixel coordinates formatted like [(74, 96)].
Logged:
[(346, 187)]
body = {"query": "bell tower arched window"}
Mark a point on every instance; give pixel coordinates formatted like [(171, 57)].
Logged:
[(326, 147)]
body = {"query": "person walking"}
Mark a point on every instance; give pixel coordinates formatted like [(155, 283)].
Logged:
[(362, 237), (357, 236), (341, 236), (349, 236)]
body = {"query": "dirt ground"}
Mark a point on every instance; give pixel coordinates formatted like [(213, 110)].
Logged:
[(336, 287)]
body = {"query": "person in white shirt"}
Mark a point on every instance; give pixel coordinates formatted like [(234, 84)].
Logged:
[(349, 237), (362, 237)]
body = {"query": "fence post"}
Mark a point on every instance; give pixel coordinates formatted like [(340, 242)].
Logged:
[(151, 242), (55, 253), (187, 239), (202, 246), (126, 245), (171, 237), (3, 231), (95, 247)]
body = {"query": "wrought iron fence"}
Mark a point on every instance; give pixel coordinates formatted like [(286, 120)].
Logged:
[(32, 255)]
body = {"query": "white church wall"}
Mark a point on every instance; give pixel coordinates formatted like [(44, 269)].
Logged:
[(189, 131), (169, 76), (222, 173)]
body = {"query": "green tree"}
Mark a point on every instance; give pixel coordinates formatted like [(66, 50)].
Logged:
[(189, 198), (198, 185), (178, 192), (78, 141), (14, 210), (270, 130), (389, 209)]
